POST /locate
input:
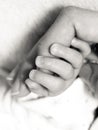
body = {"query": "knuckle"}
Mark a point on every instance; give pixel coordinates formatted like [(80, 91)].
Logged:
[(88, 51), (59, 88), (70, 10), (69, 72), (46, 62), (52, 62), (60, 85), (49, 63), (79, 60)]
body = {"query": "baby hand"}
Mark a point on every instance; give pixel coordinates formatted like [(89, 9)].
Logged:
[(64, 65)]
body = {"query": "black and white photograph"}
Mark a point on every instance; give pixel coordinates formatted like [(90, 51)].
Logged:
[(48, 64)]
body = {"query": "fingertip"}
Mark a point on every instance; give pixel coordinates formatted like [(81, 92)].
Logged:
[(31, 84), (39, 61), (24, 91), (82, 46), (54, 48), (36, 88), (32, 74), (27, 81)]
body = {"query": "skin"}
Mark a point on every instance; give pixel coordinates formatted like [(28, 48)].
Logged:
[(73, 24), (72, 19), (66, 69), (8, 62), (20, 25), (8, 57)]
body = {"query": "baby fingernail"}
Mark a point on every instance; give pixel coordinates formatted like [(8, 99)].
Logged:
[(32, 73), (54, 48), (39, 61)]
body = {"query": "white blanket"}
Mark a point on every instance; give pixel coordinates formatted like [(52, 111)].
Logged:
[(72, 110)]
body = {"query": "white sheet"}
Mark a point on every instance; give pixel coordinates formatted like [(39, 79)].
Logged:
[(72, 110)]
